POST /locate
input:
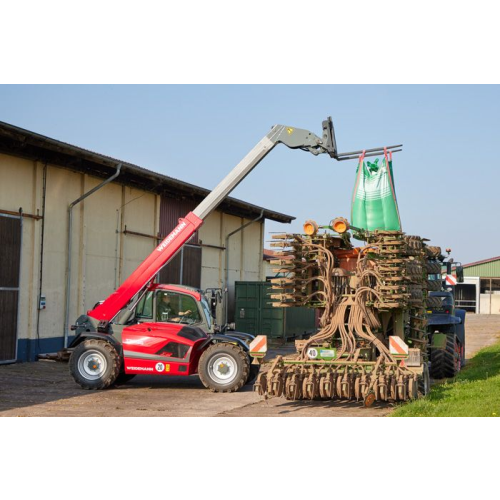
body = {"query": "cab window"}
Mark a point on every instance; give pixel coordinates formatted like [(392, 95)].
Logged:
[(176, 308), (145, 307), (206, 311)]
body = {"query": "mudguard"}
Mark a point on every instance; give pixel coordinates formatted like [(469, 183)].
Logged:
[(220, 337), (99, 336), (246, 337), (460, 328), (443, 319)]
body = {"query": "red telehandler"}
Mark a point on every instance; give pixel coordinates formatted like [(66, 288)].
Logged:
[(147, 328)]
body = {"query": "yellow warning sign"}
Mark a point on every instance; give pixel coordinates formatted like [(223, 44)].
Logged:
[(289, 130), (167, 368)]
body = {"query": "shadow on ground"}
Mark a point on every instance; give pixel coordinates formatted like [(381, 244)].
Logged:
[(27, 384), (294, 406)]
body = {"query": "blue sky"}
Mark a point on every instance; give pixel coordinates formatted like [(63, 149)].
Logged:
[(447, 180)]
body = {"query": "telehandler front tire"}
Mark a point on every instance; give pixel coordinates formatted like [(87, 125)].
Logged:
[(95, 364), (224, 367)]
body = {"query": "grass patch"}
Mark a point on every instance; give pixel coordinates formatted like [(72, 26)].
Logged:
[(474, 392)]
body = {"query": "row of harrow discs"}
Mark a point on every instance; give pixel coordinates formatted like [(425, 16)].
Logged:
[(296, 382)]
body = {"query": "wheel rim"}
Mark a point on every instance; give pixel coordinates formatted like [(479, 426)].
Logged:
[(222, 369), (92, 365)]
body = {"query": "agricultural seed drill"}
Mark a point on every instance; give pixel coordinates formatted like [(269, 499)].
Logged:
[(372, 341)]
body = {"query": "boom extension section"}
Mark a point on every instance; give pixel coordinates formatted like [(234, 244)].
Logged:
[(293, 138)]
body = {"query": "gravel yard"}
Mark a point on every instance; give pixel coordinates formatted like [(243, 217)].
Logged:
[(45, 388)]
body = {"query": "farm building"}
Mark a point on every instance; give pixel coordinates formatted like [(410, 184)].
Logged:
[(59, 200), (481, 289)]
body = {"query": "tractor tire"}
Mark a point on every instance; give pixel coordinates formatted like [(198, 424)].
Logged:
[(413, 246), (445, 363), (224, 367), (95, 364), (433, 302), (433, 252), (433, 267), (434, 285)]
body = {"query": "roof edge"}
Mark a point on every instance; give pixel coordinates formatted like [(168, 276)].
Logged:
[(479, 262), (39, 147)]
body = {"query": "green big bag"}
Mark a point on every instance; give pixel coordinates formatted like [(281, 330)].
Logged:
[(374, 204)]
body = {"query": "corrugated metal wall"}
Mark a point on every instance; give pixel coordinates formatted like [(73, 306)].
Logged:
[(102, 254), (113, 232), (486, 270)]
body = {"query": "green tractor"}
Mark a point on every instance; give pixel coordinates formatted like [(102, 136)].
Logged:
[(445, 322)]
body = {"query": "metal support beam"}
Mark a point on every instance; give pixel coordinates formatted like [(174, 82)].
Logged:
[(70, 238), (226, 276)]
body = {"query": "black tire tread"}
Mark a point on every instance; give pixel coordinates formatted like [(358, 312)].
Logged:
[(237, 352), (433, 302), (442, 360), (115, 364)]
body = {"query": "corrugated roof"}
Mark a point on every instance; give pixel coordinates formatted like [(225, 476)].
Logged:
[(26, 144), (485, 261)]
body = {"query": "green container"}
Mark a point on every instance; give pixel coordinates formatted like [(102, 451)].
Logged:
[(255, 314)]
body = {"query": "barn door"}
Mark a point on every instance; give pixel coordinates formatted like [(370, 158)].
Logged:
[(10, 266), (185, 267)]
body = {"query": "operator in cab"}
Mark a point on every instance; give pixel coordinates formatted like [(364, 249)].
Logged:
[(167, 312)]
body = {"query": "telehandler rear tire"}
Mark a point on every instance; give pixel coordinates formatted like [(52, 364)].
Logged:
[(224, 367), (95, 364)]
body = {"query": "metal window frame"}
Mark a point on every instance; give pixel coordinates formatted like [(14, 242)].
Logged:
[(18, 289)]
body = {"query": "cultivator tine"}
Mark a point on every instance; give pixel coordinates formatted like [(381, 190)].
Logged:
[(282, 236), (293, 388), (401, 388), (382, 388), (392, 387), (364, 383), (276, 385), (310, 389), (327, 386), (260, 385), (357, 386), (338, 386)]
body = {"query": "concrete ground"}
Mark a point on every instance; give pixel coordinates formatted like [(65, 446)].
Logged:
[(46, 389)]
